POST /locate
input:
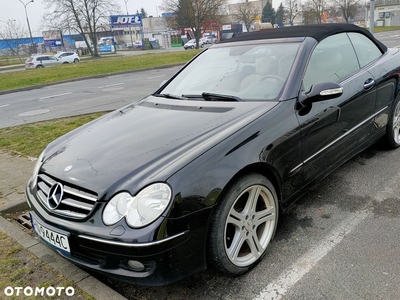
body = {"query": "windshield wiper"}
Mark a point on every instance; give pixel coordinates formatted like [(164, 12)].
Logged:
[(215, 97), (170, 96)]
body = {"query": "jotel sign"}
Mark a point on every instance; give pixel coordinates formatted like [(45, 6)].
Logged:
[(126, 21)]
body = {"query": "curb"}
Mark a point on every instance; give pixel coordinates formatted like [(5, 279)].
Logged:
[(83, 280)]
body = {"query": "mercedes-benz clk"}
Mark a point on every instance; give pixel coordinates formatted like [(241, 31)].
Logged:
[(197, 173)]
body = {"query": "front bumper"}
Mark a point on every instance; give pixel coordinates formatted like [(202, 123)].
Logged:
[(165, 260)]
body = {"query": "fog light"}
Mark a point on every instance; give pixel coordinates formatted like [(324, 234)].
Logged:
[(135, 265)]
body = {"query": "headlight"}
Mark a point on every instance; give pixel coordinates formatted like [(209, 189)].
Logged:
[(36, 169), (140, 210)]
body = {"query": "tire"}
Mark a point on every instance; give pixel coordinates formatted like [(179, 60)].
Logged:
[(76, 60), (192, 47), (392, 138), (242, 228), (64, 63), (39, 66)]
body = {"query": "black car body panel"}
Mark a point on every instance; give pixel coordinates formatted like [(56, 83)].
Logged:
[(198, 145)]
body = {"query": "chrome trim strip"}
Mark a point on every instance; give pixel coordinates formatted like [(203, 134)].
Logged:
[(71, 214), (47, 179), (77, 204), (344, 135), (80, 194), (295, 168), (131, 245)]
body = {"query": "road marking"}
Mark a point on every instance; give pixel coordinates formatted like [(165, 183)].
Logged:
[(106, 86), (153, 77), (54, 96), (4, 105), (34, 112), (278, 288)]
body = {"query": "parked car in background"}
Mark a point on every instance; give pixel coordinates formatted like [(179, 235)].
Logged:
[(68, 57), (210, 39), (198, 173), (192, 44), (41, 61), (203, 40)]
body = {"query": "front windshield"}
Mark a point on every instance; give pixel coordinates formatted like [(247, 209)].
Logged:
[(246, 72)]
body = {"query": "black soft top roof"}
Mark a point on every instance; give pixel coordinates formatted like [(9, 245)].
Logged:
[(318, 32)]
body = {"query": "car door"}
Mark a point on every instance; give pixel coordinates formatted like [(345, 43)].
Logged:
[(368, 55), (53, 61), (44, 61), (333, 130)]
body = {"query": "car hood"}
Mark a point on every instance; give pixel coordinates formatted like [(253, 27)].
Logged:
[(144, 142)]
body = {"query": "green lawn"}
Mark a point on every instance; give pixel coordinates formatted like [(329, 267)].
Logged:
[(31, 139), (385, 28)]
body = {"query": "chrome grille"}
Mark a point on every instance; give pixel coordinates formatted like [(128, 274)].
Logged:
[(74, 203)]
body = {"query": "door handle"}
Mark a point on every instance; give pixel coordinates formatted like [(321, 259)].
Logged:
[(369, 83)]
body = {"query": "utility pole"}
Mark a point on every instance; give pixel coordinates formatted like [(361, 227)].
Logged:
[(27, 21), (371, 16), (130, 29)]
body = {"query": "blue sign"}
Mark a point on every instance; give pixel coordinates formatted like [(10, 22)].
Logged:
[(106, 49), (122, 21), (167, 15), (53, 43)]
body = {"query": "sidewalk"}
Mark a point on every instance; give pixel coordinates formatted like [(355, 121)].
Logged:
[(15, 172)]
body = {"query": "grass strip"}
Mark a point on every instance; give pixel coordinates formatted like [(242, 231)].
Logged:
[(30, 139)]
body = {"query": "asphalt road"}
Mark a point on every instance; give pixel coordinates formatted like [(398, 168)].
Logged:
[(79, 97), (340, 241)]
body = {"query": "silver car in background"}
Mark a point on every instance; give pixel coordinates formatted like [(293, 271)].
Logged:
[(41, 61)]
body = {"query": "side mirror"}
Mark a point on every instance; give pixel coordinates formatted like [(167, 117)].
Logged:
[(321, 91)]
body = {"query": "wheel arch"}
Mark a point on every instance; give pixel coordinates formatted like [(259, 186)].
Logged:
[(259, 168), (263, 169)]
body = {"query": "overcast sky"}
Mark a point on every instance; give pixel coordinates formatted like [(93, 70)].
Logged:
[(14, 9)]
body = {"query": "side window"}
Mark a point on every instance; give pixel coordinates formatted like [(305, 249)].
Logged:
[(333, 59), (366, 50)]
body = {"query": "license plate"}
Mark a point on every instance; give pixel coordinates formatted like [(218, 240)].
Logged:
[(58, 240)]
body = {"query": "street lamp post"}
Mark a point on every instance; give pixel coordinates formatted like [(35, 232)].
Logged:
[(130, 29), (27, 19)]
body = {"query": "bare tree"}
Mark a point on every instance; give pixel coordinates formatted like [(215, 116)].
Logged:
[(192, 14), (312, 11), (246, 12), (83, 16), (348, 8), (13, 34), (292, 9)]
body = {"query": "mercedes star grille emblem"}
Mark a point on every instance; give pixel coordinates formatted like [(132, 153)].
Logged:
[(55, 195)]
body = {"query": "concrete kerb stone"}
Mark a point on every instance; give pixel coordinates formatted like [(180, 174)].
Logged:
[(86, 282)]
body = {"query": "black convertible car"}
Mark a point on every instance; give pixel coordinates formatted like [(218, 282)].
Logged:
[(197, 173)]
